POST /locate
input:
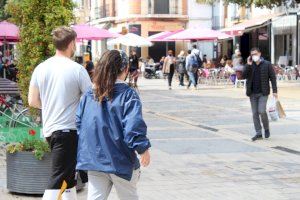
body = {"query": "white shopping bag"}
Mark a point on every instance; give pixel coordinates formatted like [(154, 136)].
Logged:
[(272, 109)]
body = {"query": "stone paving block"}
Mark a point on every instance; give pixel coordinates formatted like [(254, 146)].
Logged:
[(207, 146)]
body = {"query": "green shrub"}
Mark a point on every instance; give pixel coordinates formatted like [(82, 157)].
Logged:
[(36, 20), (38, 147)]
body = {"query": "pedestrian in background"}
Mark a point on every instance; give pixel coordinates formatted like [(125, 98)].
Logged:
[(192, 68), (180, 67), (133, 68), (259, 73), (238, 64), (90, 68), (169, 67), (56, 87), (111, 131)]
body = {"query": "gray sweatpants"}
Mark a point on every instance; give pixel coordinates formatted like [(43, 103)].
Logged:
[(100, 185), (259, 110)]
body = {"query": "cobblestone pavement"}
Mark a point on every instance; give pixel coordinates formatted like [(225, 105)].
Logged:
[(202, 148)]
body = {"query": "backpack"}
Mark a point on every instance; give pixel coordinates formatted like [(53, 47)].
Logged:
[(199, 61), (194, 63)]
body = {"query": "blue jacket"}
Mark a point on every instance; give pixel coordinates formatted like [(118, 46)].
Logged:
[(111, 132)]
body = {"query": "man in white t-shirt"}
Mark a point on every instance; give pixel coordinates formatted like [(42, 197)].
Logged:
[(56, 87)]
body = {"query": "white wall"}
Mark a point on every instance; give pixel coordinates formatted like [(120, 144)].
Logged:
[(122, 8), (94, 4), (200, 15)]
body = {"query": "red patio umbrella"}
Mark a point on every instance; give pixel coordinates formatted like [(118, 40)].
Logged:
[(198, 33), (87, 32), (8, 31)]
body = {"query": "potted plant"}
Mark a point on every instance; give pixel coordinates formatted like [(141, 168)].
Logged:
[(28, 165), (28, 160)]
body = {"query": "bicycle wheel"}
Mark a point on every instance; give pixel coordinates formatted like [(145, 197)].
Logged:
[(24, 119)]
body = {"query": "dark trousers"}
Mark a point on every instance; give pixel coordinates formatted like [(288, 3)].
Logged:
[(196, 77), (171, 74), (259, 107), (63, 146), (181, 79)]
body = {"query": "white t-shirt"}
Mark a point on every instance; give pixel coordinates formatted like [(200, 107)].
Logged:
[(61, 82)]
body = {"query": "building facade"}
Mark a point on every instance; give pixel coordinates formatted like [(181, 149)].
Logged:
[(142, 17), (274, 31), (82, 11)]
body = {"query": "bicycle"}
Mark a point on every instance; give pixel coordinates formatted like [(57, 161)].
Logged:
[(13, 109)]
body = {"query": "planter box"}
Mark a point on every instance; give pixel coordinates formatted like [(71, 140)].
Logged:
[(28, 175)]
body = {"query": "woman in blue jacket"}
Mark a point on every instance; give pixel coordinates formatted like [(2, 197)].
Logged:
[(111, 131)]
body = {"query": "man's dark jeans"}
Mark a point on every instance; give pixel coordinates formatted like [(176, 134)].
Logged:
[(259, 107), (170, 75), (181, 79), (63, 146)]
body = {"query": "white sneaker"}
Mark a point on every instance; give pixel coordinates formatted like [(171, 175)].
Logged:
[(70, 194), (51, 195)]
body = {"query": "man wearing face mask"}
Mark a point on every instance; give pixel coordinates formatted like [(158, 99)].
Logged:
[(56, 87), (259, 73)]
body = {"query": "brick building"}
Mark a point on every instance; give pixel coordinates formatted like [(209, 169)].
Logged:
[(143, 17)]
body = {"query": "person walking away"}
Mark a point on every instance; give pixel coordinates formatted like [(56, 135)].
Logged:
[(198, 55), (169, 67), (259, 73), (192, 68), (56, 87), (90, 68), (134, 67), (112, 131), (180, 67)]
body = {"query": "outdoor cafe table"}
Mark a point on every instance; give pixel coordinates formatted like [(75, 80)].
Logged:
[(8, 87)]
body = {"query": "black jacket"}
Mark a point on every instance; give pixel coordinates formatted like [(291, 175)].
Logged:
[(267, 75)]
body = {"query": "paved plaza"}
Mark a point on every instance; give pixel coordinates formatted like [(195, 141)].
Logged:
[(202, 148)]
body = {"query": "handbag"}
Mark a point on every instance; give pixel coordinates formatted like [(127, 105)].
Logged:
[(280, 110)]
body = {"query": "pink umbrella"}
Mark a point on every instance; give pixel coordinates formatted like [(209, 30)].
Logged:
[(86, 32), (197, 33), (8, 31), (162, 36)]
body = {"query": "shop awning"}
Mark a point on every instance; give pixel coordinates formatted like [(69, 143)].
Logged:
[(87, 32), (240, 28), (198, 33), (161, 37)]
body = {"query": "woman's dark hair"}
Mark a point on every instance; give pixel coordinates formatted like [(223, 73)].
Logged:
[(106, 72)]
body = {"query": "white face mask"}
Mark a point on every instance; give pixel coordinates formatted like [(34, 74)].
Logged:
[(255, 58)]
